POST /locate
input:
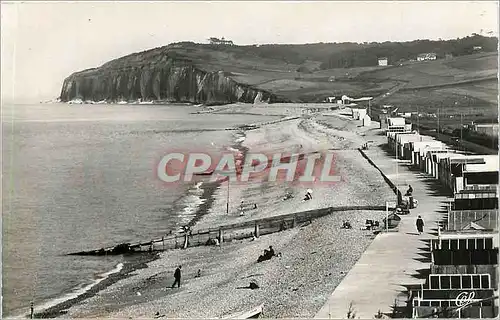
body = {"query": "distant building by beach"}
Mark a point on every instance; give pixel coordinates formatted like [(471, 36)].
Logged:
[(367, 121), (221, 41), (490, 129), (383, 61), (427, 56)]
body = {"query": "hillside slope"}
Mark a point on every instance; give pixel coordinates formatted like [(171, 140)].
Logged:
[(197, 73)]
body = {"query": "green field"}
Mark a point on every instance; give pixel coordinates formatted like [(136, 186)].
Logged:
[(462, 82)]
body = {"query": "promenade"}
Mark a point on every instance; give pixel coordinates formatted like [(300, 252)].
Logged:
[(394, 260)]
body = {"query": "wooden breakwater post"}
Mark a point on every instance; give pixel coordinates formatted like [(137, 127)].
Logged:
[(256, 231), (185, 241), (221, 236)]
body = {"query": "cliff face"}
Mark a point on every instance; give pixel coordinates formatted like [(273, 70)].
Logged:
[(158, 76)]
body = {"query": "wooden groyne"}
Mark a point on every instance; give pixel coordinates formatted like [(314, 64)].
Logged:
[(225, 233), (393, 187)]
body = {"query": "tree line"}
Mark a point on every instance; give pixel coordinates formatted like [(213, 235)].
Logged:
[(397, 52)]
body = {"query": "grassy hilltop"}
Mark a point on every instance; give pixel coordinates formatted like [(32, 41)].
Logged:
[(311, 72), (464, 76)]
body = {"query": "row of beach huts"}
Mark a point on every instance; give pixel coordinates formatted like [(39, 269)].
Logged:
[(463, 277)]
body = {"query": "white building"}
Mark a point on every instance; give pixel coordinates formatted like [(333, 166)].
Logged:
[(367, 121), (382, 61), (221, 41), (346, 99), (490, 129), (426, 56), (398, 125)]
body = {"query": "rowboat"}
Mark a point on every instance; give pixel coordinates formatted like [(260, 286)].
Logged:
[(249, 314), (393, 219)]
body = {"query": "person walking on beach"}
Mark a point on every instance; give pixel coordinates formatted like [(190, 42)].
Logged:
[(177, 277), (420, 225)]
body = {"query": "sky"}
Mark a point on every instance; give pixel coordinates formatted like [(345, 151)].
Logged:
[(44, 42)]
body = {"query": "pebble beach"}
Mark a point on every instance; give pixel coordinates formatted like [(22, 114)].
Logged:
[(314, 258)]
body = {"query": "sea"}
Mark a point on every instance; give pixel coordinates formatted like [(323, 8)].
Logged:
[(83, 176)]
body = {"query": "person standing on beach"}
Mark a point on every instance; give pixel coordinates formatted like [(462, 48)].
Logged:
[(242, 208), (420, 225), (177, 277), (409, 192)]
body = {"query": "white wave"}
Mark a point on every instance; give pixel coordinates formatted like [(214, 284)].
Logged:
[(76, 292), (75, 101), (190, 204)]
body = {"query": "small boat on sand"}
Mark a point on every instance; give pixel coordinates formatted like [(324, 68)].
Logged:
[(393, 219), (249, 314)]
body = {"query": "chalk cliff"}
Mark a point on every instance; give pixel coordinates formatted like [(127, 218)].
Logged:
[(160, 75)]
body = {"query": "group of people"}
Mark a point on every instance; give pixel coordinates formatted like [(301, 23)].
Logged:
[(346, 225), (243, 206), (307, 197), (268, 254), (420, 222)]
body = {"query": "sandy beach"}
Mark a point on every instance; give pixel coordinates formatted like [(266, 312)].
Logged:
[(314, 258)]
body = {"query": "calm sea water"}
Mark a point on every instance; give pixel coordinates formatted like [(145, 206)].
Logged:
[(79, 177)]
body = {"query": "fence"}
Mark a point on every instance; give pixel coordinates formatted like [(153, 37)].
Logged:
[(227, 233)]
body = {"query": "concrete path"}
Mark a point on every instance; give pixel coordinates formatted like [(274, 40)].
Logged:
[(393, 259)]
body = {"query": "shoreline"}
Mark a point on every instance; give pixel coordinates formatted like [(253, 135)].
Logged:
[(141, 259), (225, 267), (129, 267), (210, 188)]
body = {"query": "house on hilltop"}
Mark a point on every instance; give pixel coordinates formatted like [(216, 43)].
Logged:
[(221, 41), (427, 56), (383, 61)]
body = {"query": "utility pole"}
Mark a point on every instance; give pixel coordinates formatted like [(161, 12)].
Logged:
[(227, 203), (438, 124), (418, 121), (461, 129)]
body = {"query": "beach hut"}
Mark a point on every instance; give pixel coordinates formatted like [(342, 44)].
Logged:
[(367, 121), (354, 113), (361, 114)]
